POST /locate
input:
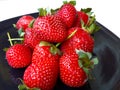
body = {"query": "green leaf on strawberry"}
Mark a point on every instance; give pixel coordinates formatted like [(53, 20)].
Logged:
[(24, 87), (53, 49), (86, 59), (31, 23), (21, 32), (87, 11), (73, 2), (42, 12), (91, 26)]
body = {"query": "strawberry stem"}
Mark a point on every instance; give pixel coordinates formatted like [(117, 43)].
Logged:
[(14, 39), (14, 25), (73, 33), (9, 37)]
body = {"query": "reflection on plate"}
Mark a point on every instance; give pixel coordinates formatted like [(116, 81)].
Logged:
[(106, 73)]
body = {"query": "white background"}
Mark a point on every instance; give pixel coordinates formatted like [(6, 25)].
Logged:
[(107, 11)]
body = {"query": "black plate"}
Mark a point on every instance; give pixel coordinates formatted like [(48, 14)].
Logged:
[(106, 73)]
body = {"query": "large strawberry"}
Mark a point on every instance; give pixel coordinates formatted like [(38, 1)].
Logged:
[(24, 22), (19, 56), (80, 40), (67, 13), (50, 28), (75, 66), (43, 71)]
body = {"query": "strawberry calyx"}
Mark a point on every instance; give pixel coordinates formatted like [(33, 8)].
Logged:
[(91, 26), (53, 49), (24, 87), (72, 2), (86, 61), (43, 12), (88, 11)]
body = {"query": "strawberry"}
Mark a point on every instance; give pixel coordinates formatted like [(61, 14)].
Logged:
[(43, 71), (71, 73), (50, 28), (24, 22), (19, 56), (67, 13), (76, 66), (30, 38), (81, 16), (80, 40)]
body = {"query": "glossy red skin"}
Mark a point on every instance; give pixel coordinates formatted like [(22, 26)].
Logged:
[(43, 71), (71, 73), (24, 21), (80, 40), (68, 14), (30, 38), (81, 16), (43, 52), (19, 56), (50, 28)]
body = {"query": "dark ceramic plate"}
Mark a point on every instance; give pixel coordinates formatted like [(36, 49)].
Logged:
[(106, 73)]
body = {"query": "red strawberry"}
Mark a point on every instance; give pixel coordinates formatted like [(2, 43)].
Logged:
[(30, 38), (81, 16), (24, 22), (71, 73), (50, 28), (19, 56), (68, 14), (80, 40), (43, 71)]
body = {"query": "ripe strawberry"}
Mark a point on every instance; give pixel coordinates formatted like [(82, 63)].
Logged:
[(24, 22), (19, 56), (71, 73), (81, 16), (30, 38), (50, 28), (68, 14), (43, 71), (80, 40)]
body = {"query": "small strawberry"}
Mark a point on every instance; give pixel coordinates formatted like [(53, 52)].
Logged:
[(50, 28), (43, 71), (67, 13), (80, 40), (24, 22), (19, 56), (30, 38), (81, 16), (75, 66)]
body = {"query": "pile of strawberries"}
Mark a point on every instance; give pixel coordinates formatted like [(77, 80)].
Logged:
[(58, 43)]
